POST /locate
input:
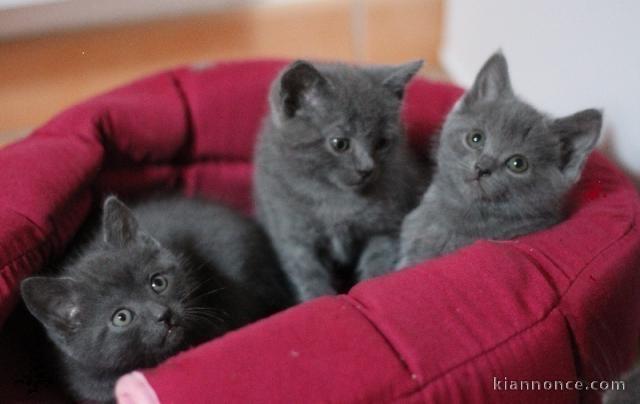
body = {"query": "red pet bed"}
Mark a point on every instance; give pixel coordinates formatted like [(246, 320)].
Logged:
[(559, 305)]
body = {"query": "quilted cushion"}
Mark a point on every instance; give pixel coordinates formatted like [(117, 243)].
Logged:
[(555, 305)]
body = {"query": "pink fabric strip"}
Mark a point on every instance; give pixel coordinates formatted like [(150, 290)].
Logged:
[(133, 388)]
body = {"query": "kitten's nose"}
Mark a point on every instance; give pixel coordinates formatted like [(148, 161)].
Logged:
[(161, 313), (165, 317), (366, 173), (481, 171)]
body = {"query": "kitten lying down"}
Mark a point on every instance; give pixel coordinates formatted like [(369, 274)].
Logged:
[(167, 275), (503, 169)]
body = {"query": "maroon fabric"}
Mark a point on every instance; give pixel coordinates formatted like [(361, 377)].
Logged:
[(555, 305)]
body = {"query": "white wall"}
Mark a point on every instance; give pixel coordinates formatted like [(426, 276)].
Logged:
[(564, 55)]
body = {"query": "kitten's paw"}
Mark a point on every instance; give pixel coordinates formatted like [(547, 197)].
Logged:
[(378, 258), (309, 293), (402, 264)]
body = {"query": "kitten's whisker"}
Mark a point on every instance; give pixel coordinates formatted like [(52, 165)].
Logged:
[(205, 315), (200, 296), (194, 319), (221, 318), (208, 310), (190, 293)]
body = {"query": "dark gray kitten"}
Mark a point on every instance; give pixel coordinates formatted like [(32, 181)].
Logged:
[(334, 176), (503, 169), (170, 274)]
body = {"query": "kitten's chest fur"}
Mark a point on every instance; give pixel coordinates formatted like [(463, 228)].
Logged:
[(481, 219), (336, 222), (89, 382), (347, 218), (341, 242), (344, 213)]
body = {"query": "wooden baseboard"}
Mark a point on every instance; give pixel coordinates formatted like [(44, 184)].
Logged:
[(42, 75)]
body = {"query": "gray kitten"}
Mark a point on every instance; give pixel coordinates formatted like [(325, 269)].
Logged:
[(334, 176), (168, 275), (503, 169)]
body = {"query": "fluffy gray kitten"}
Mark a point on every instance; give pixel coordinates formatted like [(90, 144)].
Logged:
[(154, 280), (334, 176), (503, 169)]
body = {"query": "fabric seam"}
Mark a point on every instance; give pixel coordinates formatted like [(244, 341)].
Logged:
[(357, 305), (552, 308), (39, 245)]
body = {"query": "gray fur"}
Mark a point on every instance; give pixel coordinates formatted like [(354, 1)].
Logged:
[(627, 392), (327, 211), (473, 195), (220, 273)]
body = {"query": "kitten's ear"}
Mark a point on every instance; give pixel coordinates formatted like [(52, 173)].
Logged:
[(298, 85), (578, 134), (119, 225), (492, 82), (53, 301), (395, 78)]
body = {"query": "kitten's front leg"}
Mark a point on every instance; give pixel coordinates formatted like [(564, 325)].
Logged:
[(421, 238), (413, 252), (307, 274), (378, 257), (424, 237)]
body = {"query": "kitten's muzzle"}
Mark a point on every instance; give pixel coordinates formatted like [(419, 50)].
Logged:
[(163, 314), (365, 174), (363, 178), (481, 171), (167, 319)]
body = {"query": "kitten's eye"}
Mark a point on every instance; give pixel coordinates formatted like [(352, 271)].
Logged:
[(475, 139), (122, 318), (517, 163), (159, 283), (382, 144), (339, 144)]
